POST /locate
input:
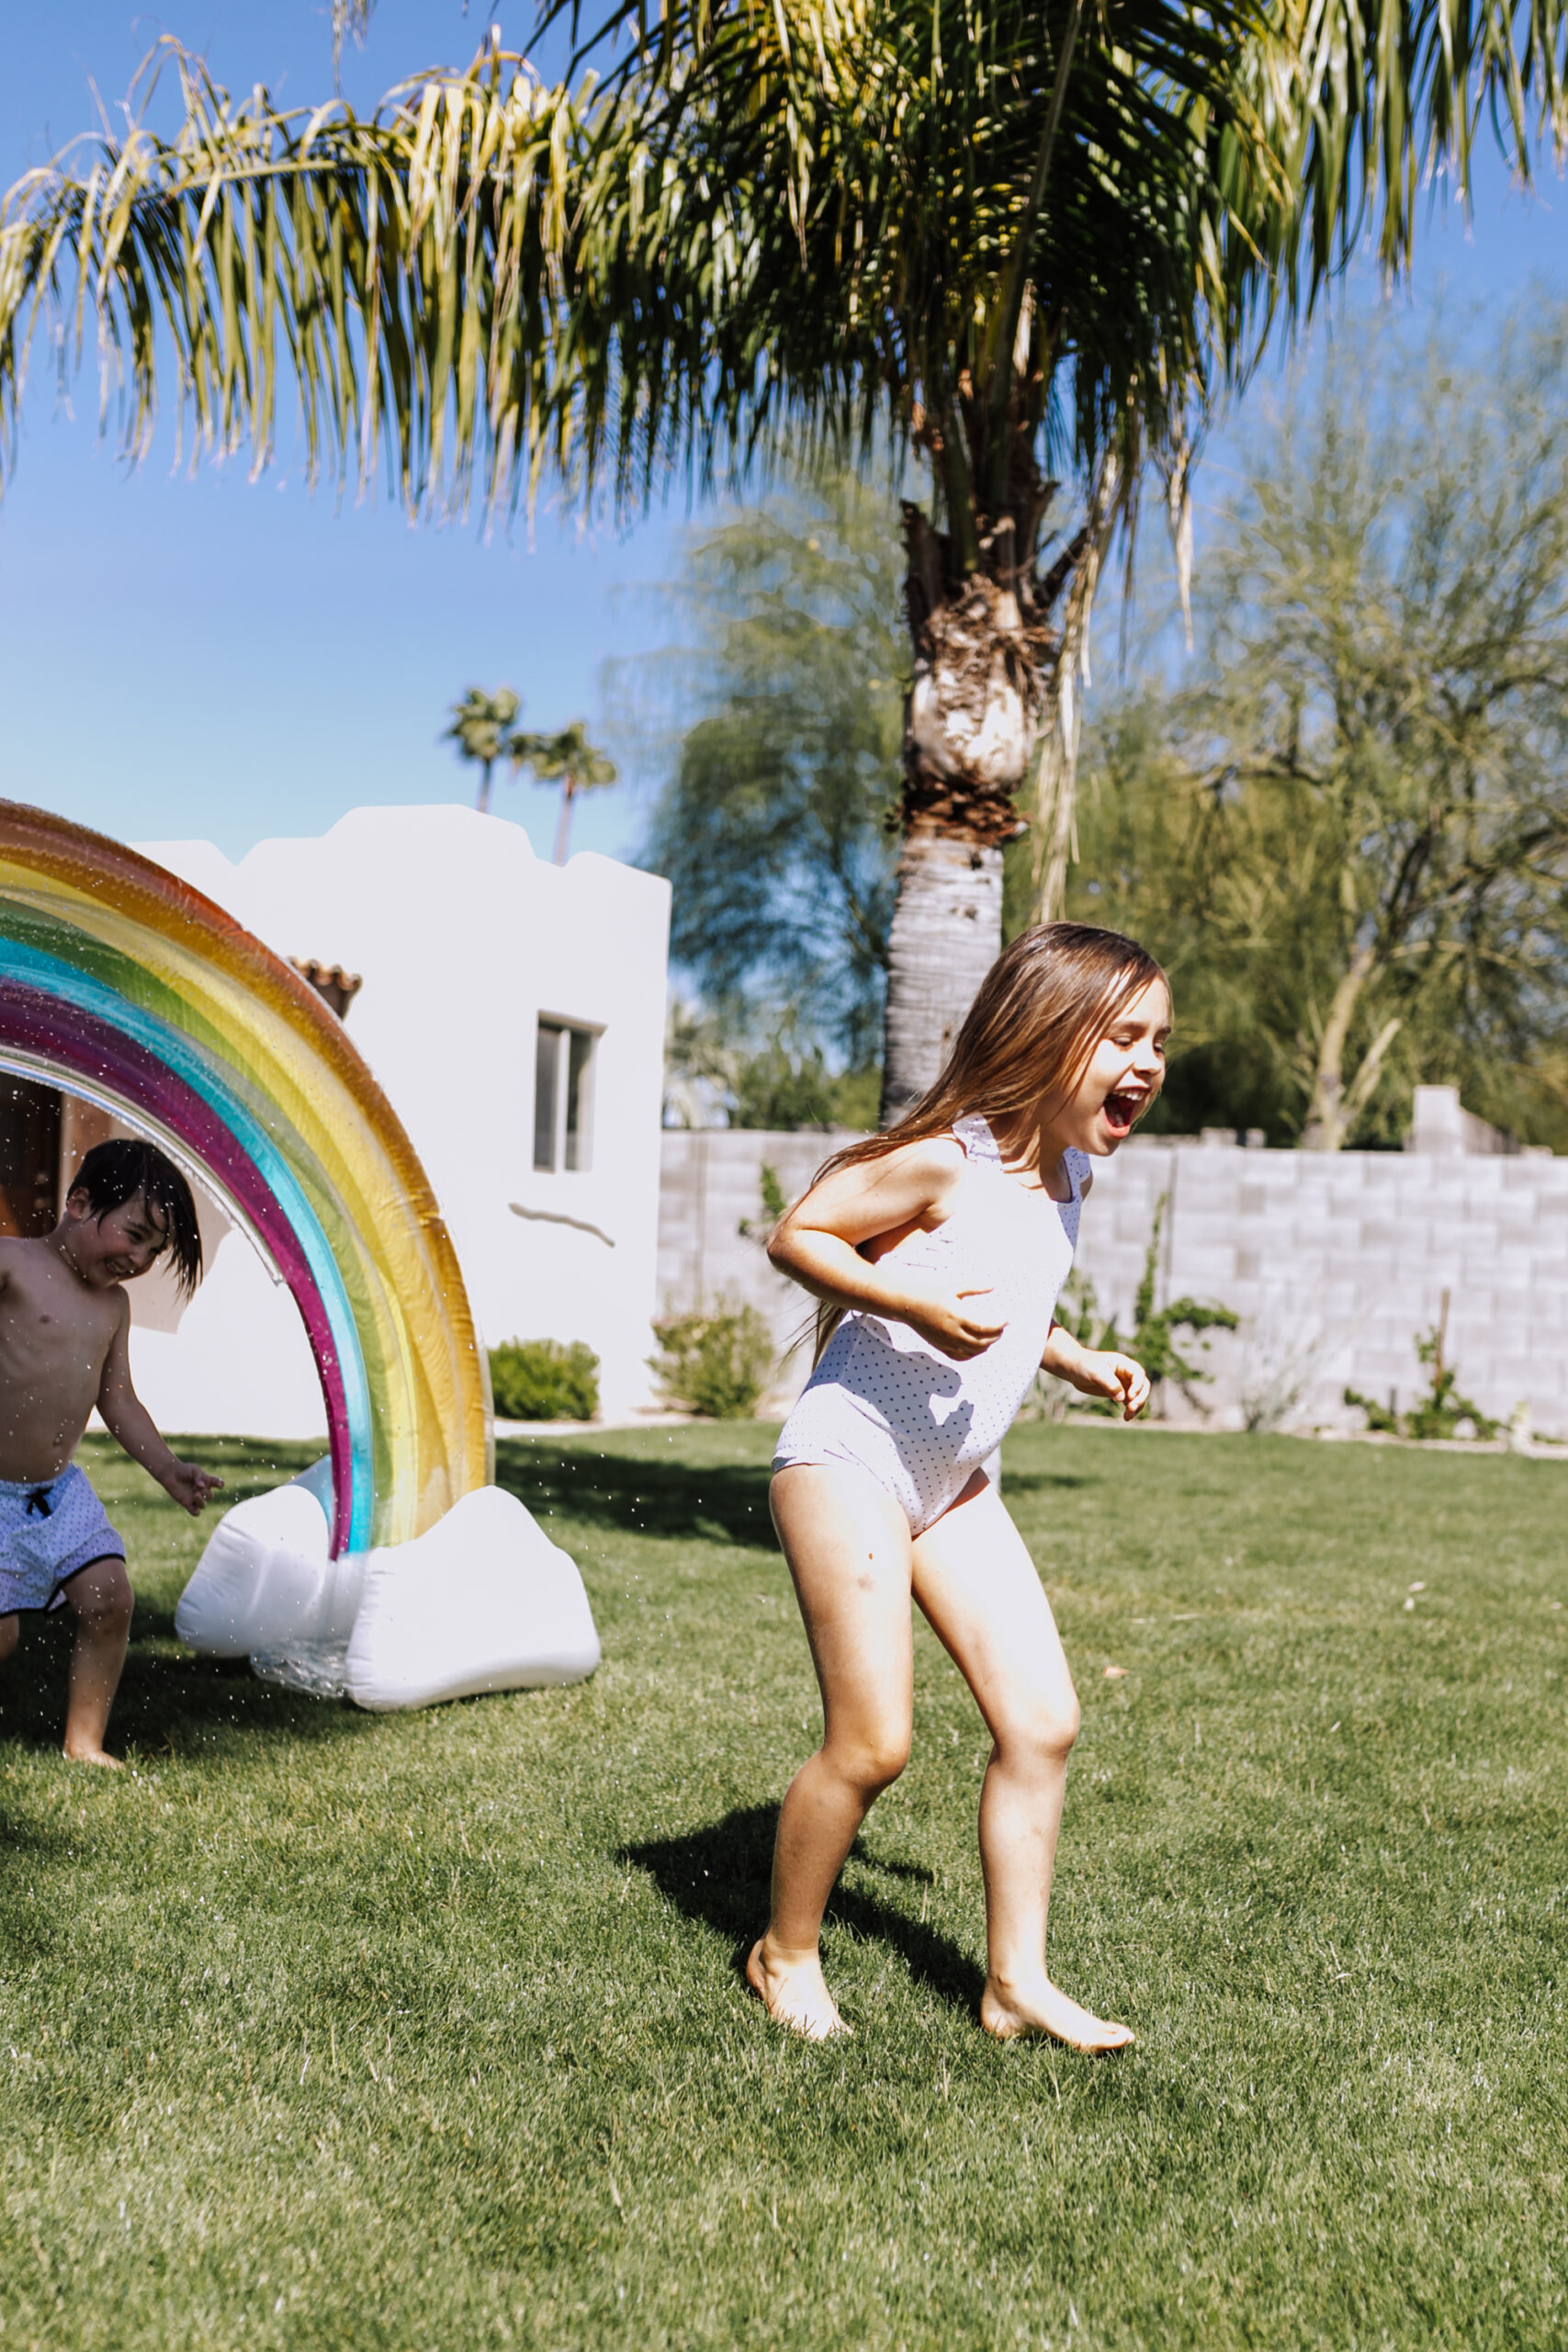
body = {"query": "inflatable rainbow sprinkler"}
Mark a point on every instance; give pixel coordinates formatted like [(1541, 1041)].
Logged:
[(396, 1570)]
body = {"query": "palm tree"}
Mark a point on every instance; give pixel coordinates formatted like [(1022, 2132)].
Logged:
[(1025, 240), (569, 759), (482, 730)]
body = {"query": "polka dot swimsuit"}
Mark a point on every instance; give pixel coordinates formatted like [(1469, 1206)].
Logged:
[(884, 1400)]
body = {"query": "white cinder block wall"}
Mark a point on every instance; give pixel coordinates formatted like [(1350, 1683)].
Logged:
[(1336, 1262)]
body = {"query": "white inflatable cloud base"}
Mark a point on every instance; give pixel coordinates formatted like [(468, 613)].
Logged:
[(267, 1580), (482, 1601)]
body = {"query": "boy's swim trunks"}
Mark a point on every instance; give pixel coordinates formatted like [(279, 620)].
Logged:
[(47, 1533)]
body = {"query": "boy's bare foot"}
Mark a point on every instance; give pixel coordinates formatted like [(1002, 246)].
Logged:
[(1040, 2009), (84, 1754), (794, 1992)]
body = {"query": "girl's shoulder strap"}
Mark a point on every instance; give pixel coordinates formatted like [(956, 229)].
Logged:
[(1077, 1165), (978, 1142)]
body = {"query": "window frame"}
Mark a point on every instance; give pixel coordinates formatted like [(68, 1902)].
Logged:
[(573, 1087)]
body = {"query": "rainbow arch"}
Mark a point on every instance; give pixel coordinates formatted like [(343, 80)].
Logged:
[(120, 983)]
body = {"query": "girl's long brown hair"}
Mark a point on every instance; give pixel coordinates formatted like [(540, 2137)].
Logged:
[(1026, 1041)]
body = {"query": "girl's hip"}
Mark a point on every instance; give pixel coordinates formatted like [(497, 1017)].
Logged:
[(925, 1466)]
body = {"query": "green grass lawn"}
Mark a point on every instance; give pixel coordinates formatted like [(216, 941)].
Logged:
[(423, 2032)]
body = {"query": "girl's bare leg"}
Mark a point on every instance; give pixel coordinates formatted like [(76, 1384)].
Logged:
[(101, 1597), (979, 1589), (847, 1542)]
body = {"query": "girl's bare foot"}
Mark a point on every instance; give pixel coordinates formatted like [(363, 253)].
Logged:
[(92, 1756), (794, 1991), (1040, 2009)]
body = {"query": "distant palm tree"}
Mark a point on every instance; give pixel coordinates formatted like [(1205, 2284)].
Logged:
[(569, 756), (482, 730)]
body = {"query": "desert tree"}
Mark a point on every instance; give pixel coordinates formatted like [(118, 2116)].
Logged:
[(1348, 831), (773, 821)]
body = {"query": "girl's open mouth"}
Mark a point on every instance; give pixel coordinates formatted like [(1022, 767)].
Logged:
[(1121, 1111)]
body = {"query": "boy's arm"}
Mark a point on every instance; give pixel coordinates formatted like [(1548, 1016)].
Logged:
[(127, 1419)]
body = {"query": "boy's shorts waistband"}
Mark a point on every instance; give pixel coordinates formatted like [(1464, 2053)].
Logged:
[(34, 1485)]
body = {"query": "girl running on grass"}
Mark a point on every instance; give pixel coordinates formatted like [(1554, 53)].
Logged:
[(938, 1251)]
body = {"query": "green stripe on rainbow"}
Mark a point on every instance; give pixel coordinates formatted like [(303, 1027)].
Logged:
[(119, 982)]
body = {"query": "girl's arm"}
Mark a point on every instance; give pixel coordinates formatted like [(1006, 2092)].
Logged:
[(820, 1243), (127, 1419), (1097, 1372)]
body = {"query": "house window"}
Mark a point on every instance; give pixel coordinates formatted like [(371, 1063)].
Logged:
[(563, 1095)]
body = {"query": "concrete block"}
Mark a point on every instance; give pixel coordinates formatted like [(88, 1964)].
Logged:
[(1353, 1248)]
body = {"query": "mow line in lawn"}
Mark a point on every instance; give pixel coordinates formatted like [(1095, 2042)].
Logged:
[(429, 2030)]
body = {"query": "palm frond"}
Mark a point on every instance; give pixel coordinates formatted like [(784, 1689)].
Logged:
[(349, 18), (404, 271), (764, 228)]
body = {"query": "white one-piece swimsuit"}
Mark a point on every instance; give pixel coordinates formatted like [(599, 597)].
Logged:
[(883, 1399)]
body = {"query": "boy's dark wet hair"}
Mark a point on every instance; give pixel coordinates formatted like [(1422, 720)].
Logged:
[(114, 1172)]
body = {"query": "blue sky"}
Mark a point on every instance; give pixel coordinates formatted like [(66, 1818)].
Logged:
[(231, 659)]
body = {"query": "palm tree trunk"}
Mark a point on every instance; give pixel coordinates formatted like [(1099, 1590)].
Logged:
[(482, 803), (563, 822), (984, 667), (947, 931)]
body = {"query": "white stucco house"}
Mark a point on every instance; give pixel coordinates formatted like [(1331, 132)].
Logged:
[(513, 1014)]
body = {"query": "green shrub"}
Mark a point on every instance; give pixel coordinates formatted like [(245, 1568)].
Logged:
[(716, 1364), (545, 1380), (752, 1228), (1381, 1419), (1442, 1411)]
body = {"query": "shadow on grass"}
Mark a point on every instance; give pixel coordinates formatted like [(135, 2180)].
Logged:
[(29, 1840), (167, 1705), (719, 1875), (1037, 1482), (170, 1702), (722, 1502)]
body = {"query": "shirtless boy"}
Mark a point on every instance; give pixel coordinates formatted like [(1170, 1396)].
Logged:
[(64, 1325)]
